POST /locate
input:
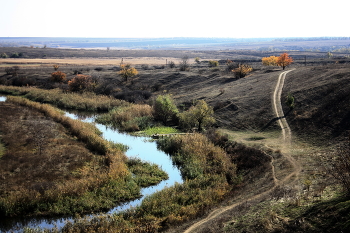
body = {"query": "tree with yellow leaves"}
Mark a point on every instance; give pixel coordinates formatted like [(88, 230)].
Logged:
[(284, 60), (127, 71), (269, 61)]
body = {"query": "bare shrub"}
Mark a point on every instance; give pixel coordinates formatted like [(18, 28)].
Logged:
[(230, 65), (21, 81), (172, 64), (145, 67), (184, 64), (55, 67)]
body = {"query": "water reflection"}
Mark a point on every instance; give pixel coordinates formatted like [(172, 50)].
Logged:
[(139, 147)]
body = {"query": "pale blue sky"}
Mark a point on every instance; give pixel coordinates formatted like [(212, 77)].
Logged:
[(173, 18)]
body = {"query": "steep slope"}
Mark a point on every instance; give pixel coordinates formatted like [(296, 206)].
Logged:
[(322, 107)]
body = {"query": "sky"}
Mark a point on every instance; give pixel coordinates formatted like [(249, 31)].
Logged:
[(173, 18)]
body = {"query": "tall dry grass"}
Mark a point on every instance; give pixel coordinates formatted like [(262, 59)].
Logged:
[(131, 118), (98, 184), (197, 156), (87, 101), (177, 204)]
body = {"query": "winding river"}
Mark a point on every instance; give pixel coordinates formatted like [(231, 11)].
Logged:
[(140, 147)]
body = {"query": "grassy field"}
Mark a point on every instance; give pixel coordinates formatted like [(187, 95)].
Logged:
[(243, 111)]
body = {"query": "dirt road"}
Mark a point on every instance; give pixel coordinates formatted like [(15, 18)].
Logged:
[(286, 137), (277, 106)]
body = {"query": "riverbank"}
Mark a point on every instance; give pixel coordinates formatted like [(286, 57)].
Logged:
[(50, 172), (206, 189)]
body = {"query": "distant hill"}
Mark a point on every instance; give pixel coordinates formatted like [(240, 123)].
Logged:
[(190, 43)]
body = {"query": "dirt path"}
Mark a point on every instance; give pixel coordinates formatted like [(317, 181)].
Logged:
[(286, 131), (286, 136), (277, 106)]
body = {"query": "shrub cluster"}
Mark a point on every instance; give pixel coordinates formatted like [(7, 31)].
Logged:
[(242, 71), (58, 76), (164, 108), (197, 156), (4, 55), (246, 158), (213, 63), (131, 118), (81, 83)]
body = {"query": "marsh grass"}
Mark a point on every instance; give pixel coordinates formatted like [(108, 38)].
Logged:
[(100, 183), (130, 118), (177, 204), (146, 174), (87, 101), (197, 156)]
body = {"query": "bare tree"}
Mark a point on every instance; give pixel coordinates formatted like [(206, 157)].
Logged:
[(40, 132)]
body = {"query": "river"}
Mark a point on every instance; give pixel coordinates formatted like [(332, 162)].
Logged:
[(139, 147)]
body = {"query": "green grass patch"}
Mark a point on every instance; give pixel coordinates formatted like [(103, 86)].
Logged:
[(159, 130), (146, 174)]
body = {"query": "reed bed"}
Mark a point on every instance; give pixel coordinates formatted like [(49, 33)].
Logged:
[(176, 204)]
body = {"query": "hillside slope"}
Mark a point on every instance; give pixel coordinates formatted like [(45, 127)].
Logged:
[(322, 96)]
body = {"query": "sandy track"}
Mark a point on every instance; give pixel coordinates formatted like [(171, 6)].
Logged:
[(286, 134), (286, 131)]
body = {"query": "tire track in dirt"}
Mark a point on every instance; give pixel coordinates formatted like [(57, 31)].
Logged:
[(286, 133)]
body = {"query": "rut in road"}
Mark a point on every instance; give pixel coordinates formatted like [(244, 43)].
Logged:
[(286, 136)]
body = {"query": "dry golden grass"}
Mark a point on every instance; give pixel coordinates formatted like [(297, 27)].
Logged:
[(47, 180), (88, 61), (86, 101)]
